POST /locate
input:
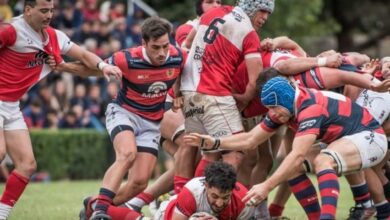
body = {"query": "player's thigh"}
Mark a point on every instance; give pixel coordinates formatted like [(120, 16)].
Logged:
[(143, 167), (19, 146), (358, 151), (171, 124)]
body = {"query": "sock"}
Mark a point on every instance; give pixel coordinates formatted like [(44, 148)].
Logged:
[(361, 195), (329, 191), (140, 200), (104, 199), (275, 210), (386, 189), (200, 168), (382, 210), (119, 213), (14, 188), (179, 183), (306, 195)]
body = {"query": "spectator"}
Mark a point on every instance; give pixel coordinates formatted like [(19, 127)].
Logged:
[(69, 121), (79, 97), (91, 11), (34, 115), (59, 101), (51, 120)]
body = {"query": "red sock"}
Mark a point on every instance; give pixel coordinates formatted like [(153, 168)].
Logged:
[(275, 210), (122, 213), (201, 167), (14, 188), (146, 197), (179, 183)]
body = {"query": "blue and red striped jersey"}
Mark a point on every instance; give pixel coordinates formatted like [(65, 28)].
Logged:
[(326, 114), (144, 86)]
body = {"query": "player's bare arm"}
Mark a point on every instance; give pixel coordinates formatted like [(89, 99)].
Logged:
[(301, 64), (241, 141), (93, 62), (290, 164)]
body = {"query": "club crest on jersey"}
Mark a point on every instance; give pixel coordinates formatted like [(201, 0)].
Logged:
[(157, 89), (40, 58), (170, 73)]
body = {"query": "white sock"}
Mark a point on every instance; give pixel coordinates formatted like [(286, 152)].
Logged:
[(4, 211), (137, 202)]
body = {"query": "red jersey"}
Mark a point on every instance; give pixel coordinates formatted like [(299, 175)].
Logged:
[(241, 79), (23, 56), (193, 199), (326, 114), (183, 30), (144, 86), (218, 48)]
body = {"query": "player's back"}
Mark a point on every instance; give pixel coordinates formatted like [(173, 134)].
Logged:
[(225, 36)]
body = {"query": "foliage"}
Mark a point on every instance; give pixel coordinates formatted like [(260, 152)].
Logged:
[(74, 154)]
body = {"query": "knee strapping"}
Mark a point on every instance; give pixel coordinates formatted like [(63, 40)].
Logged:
[(340, 162), (307, 166)]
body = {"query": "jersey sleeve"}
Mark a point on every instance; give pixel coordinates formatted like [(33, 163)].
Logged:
[(186, 204), (7, 35), (310, 120), (270, 123), (251, 45), (182, 33), (64, 42)]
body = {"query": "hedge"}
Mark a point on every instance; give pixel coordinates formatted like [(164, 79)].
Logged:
[(73, 154)]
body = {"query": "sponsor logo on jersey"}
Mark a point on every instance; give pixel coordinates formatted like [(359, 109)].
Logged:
[(307, 124), (156, 90), (40, 58)]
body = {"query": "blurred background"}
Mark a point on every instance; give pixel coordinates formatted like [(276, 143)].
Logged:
[(62, 101)]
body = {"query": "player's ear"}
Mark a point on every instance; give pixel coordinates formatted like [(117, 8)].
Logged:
[(143, 42)]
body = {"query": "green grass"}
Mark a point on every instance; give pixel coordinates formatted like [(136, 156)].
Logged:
[(63, 200)]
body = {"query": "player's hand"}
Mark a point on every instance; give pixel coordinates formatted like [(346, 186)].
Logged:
[(372, 66), (383, 86), (111, 70), (334, 61), (205, 142), (177, 103), (51, 62), (327, 53), (257, 194), (267, 44)]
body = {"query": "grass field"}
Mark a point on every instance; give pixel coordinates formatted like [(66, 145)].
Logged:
[(63, 200)]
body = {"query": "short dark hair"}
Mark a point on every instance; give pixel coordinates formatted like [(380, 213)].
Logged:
[(264, 76), (32, 3), (155, 27), (221, 176), (198, 7)]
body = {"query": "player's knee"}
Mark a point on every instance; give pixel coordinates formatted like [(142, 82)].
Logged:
[(126, 157), (28, 167), (139, 183), (322, 161)]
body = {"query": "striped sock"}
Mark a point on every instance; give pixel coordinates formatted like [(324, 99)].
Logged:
[(386, 189), (104, 199), (306, 195), (329, 191), (361, 195), (140, 200), (382, 210)]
